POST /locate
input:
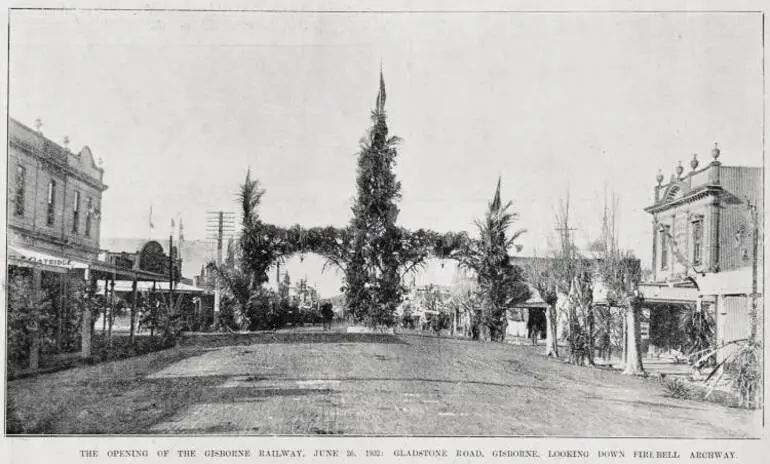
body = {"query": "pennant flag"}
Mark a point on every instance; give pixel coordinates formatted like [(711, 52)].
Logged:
[(381, 94), (152, 226), (496, 202)]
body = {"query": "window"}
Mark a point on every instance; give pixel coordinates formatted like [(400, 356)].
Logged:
[(664, 247), (51, 202), (21, 176), (697, 242), (76, 213), (89, 212)]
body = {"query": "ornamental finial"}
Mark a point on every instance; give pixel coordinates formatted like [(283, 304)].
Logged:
[(679, 169), (715, 152), (694, 161), (659, 177)]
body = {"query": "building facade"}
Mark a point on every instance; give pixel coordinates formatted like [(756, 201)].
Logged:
[(54, 198), (54, 201), (703, 224)]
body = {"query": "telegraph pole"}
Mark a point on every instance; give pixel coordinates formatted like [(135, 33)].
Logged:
[(219, 223), (171, 268), (220, 233)]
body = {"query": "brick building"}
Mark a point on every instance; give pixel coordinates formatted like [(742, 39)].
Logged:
[(54, 199)]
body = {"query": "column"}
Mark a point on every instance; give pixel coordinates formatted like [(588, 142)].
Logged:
[(133, 310), (713, 245), (655, 263), (85, 325)]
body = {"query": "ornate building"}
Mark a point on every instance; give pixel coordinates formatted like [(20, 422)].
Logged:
[(703, 223)]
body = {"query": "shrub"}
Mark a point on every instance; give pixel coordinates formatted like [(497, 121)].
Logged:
[(698, 328), (677, 388), (25, 319), (745, 371), (741, 367)]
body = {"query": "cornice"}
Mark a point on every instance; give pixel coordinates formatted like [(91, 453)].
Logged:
[(53, 240), (694, 195), (59, 165)]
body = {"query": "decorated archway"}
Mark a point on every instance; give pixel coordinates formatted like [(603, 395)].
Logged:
[(373, 252)]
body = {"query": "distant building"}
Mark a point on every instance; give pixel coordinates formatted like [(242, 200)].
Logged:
[(701, 247), (193, 255), (149, 256)]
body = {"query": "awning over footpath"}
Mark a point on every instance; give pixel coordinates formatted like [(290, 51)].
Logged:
[(125, 286), (534, 301), (119, 273), (24, 257), (736, 282), (657, 293), (49, 262)]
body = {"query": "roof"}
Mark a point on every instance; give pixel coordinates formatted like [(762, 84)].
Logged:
[(534, 301)]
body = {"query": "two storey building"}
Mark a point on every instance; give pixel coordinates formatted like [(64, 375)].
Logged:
[(703, 224), (54, 201)]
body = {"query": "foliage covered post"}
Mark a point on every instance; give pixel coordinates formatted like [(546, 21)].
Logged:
[(373, 279)]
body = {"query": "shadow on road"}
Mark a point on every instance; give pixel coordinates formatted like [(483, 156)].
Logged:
[(287, 338)]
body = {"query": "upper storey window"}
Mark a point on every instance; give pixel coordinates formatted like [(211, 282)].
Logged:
[(51, 202), (76, 213), (664, 244), (21, 176), (89, 213), (697, 241)]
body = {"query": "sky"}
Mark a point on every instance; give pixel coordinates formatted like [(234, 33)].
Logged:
[(179, 105)]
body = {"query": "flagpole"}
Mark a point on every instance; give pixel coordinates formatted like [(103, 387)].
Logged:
[(149, 225)]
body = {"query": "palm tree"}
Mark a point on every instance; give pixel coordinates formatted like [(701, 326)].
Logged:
[(501, 283)]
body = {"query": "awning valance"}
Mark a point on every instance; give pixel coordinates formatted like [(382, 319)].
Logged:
[(162, 286), (25, 257)]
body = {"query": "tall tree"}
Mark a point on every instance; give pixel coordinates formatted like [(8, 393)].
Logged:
[(373, 280), (620, 273), (501, 283), (574, 279)]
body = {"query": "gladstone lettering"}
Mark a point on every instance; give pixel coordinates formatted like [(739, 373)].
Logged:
[(420, 453)]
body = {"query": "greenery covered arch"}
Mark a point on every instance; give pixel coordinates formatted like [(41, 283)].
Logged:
[(373, 251)]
